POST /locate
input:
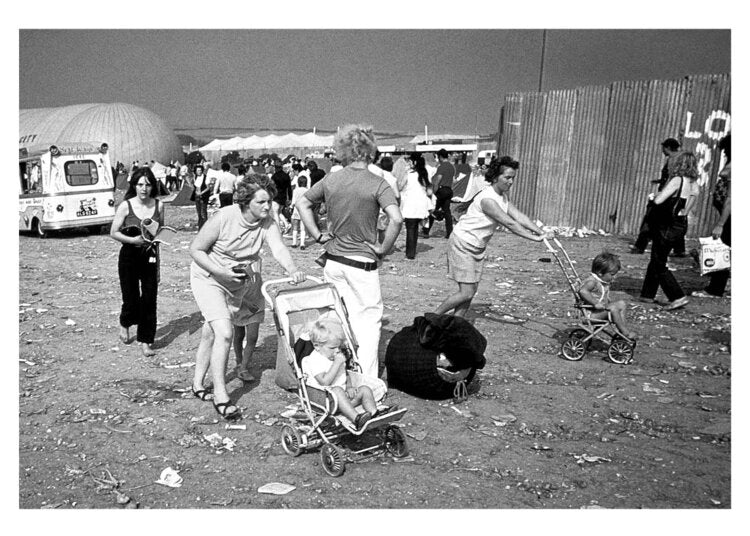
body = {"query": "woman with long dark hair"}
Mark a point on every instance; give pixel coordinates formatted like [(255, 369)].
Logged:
[(138, 263), (415, 202), (672, 204)]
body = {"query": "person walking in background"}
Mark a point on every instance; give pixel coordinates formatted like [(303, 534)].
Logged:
[(224, 185), (138, 262), (415, 202), (378, 167), (201, 193), (225, 277), (467, 247), (283, 198), (672, 203), (354, 197), (297, 228), (442, 186), (669, 148), (722, 197)]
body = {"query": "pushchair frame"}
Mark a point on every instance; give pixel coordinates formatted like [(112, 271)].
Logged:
[(316, 424), (620, 348)]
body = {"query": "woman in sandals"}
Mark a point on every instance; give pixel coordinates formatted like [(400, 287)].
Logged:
[(138, 263), (225, 279)]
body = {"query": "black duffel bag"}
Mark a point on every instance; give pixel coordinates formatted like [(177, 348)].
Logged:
[(411, 358)]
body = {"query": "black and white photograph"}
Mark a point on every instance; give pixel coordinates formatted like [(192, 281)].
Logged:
[(424, 263)]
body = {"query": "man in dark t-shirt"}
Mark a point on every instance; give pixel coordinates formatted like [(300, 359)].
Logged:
[(316, 174), (442, 185)]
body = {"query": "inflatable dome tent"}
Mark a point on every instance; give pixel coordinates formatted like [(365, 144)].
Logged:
[(132, 133)]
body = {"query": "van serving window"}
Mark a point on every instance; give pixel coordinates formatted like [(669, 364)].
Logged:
[(81, 173)]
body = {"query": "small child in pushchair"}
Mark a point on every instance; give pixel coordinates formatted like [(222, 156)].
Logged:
[(318, 359), (325, 368)]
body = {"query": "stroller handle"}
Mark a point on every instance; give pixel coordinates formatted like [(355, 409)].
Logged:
[(264, 287)]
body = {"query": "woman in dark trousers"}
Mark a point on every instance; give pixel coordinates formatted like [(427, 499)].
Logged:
[(138, 264), (668, 222), (723, 228), (201, 193)]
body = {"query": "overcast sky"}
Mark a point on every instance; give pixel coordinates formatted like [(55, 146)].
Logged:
[(396, 80)]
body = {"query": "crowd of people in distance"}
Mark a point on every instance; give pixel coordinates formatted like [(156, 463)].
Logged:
[(356, 211)]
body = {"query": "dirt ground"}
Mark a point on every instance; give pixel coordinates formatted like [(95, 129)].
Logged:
[(99, 422)]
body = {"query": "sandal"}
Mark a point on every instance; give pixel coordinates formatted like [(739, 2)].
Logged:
[(221, 409), (203, 394)]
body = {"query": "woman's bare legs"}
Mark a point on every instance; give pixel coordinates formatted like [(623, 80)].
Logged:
[(203, 356), (251, 334), (460, 301)]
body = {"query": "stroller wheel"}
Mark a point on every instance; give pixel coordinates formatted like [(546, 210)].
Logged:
[(574, 348), (620, 351), (332, 459), (395, 442), (291, 440)]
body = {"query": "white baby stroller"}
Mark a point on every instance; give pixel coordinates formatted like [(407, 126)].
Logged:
[(316, 424)]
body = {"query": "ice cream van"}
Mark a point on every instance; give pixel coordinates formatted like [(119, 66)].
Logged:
[(64, 186)]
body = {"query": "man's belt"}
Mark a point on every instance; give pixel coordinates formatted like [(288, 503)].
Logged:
[(366, 266)]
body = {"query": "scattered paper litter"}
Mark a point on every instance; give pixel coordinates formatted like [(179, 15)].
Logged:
[(591, 459), (169, 477), (70, 322), (276, 488)]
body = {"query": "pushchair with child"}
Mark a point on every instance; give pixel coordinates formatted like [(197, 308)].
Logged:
[(620, 348), (316, 423)]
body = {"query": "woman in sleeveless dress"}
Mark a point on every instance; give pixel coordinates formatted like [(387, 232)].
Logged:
[(138, 263), (467, 244), (225, 277)]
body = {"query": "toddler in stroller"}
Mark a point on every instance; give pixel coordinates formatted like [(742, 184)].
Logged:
[(325, 368), (316, 343), (597, 317)]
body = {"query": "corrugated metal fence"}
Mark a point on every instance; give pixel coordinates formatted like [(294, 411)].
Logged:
[(588, 155)]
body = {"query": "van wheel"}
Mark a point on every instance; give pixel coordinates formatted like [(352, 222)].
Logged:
[(38, 229)]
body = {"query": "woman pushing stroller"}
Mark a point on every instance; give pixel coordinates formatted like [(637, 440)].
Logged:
[(467, 246)]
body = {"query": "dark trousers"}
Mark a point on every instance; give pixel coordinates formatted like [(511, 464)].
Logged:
[(657, 273), (201, 207), (412, 233), (718, 283), (644, 234), (225, 199), (443, 203), (138, 283)]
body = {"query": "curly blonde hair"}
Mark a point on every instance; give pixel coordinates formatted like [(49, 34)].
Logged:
[(355, 143), (250, 185), (685, 165)]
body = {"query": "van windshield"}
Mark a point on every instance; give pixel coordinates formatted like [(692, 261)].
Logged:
[(81, 173)]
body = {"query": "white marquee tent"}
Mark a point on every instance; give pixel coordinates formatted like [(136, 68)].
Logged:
[(254, 145)]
